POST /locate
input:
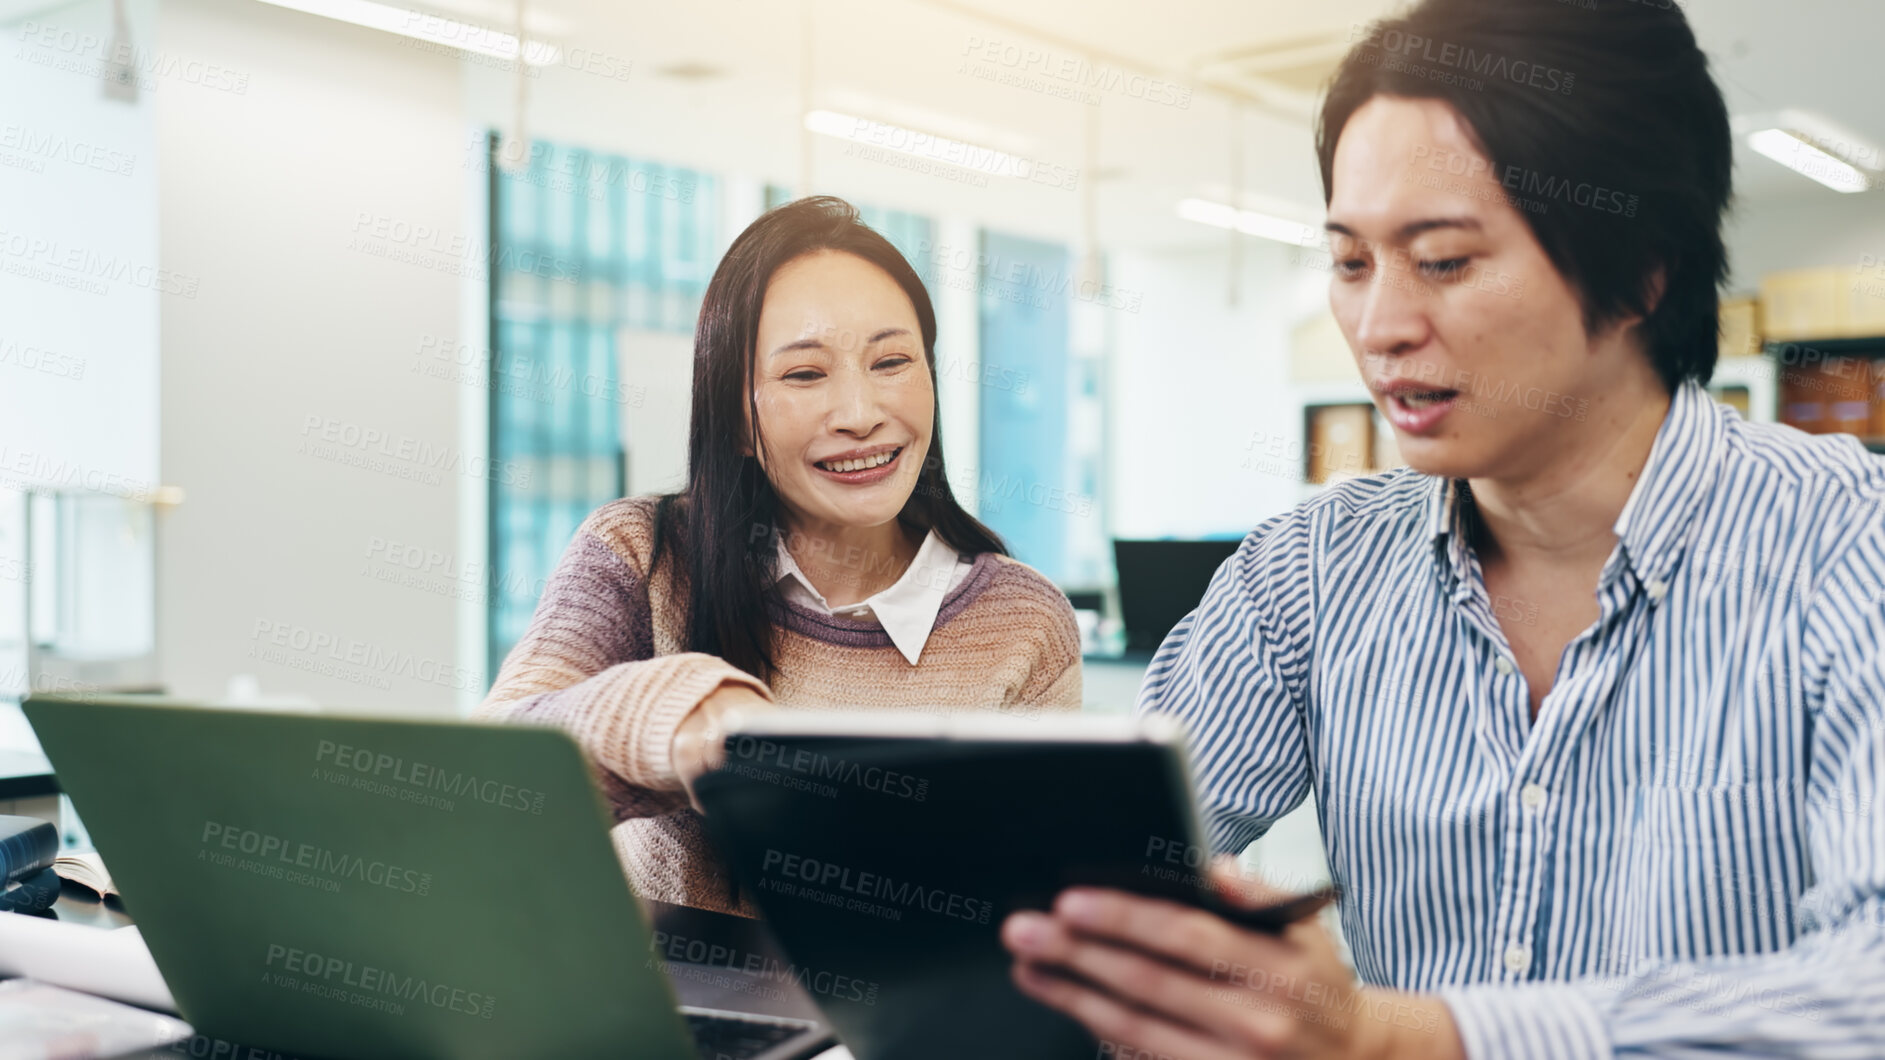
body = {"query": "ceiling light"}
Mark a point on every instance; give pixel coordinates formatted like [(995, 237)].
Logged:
[(1806, 158), (433, 29), (1250, 222)]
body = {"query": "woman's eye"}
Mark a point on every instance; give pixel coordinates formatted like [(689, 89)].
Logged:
[(1350, 267), (1442, 270), (805, 375), (895, 362)]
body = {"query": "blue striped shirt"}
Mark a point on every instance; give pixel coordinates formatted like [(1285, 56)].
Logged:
[(1683, 854)]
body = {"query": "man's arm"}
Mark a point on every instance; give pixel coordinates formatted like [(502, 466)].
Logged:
[(1227, 673)]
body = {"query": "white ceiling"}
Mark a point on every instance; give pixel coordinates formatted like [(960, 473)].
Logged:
[(912, 61)]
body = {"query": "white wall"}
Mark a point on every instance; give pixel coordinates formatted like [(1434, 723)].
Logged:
[(1817, 227), (323, 209), (1196, 380), (79, 268)]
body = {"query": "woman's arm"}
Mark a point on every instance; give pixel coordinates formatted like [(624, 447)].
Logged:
[(587, 665), (1055, 682)]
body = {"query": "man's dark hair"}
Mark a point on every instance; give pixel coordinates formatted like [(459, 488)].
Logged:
[(1600, 119)]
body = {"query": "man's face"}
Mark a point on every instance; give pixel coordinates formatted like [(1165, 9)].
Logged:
[(1470, 341)]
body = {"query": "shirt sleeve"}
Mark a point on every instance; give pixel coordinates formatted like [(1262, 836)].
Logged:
[(1229, 673), (1824, 996)]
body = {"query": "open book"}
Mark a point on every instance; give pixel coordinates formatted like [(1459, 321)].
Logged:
[(88, 871)]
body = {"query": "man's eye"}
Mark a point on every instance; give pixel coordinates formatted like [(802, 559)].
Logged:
[(1443, 269)]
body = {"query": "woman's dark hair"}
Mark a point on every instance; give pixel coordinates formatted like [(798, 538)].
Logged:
[(718, 532), (1601, 121)]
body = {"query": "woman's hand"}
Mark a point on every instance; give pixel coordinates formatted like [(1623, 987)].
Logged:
[(1158, 979), (700, 740)]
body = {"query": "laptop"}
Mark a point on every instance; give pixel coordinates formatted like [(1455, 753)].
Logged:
[(1160, 582), (378, 888)]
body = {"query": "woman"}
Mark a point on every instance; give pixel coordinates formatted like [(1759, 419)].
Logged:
[(816, 557)]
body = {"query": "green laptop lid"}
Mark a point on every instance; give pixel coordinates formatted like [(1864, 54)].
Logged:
[(367, 888)]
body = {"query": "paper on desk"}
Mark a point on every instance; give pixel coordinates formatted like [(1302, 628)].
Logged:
[(111, 962)]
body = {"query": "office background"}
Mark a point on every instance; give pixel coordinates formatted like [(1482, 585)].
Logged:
[(320, 339)]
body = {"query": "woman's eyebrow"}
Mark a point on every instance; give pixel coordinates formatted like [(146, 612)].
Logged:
[(810, 343)]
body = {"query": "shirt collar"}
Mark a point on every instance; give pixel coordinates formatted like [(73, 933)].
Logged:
[(907, 609), (1651, 530)]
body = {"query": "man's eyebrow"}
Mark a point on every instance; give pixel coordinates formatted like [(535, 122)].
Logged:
[(810, 343), (1414, 228)]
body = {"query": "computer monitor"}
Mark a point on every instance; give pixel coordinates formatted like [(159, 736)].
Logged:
[(1160, 582)]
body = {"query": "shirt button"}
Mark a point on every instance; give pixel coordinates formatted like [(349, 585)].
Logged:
[(1532, 795), (1656, 590), (1503, 665), (1518, 958)]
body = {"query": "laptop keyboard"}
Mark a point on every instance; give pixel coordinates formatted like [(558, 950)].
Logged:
[(733, 1038)]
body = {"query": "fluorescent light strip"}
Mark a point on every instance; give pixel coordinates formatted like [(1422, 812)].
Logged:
[(434, 29), (1250, 222), (1807, 159), (912, 142)]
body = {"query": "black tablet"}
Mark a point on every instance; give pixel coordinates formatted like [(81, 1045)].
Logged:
[(886, 849)]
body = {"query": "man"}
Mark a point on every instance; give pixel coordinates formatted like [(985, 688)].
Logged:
[(1591, 697)]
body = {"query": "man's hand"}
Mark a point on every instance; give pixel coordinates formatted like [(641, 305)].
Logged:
[(700, 740), (1162, 980)]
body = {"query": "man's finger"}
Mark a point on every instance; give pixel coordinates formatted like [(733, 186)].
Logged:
[(1180, 934), (1247, 889), (1220, 1003)]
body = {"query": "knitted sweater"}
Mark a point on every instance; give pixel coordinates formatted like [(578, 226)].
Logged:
[(603, 659)]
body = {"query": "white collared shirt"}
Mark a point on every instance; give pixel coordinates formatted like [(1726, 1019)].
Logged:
[(906, 610)]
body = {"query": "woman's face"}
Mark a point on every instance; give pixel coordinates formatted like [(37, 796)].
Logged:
[(1471, 341), (845, 401)]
